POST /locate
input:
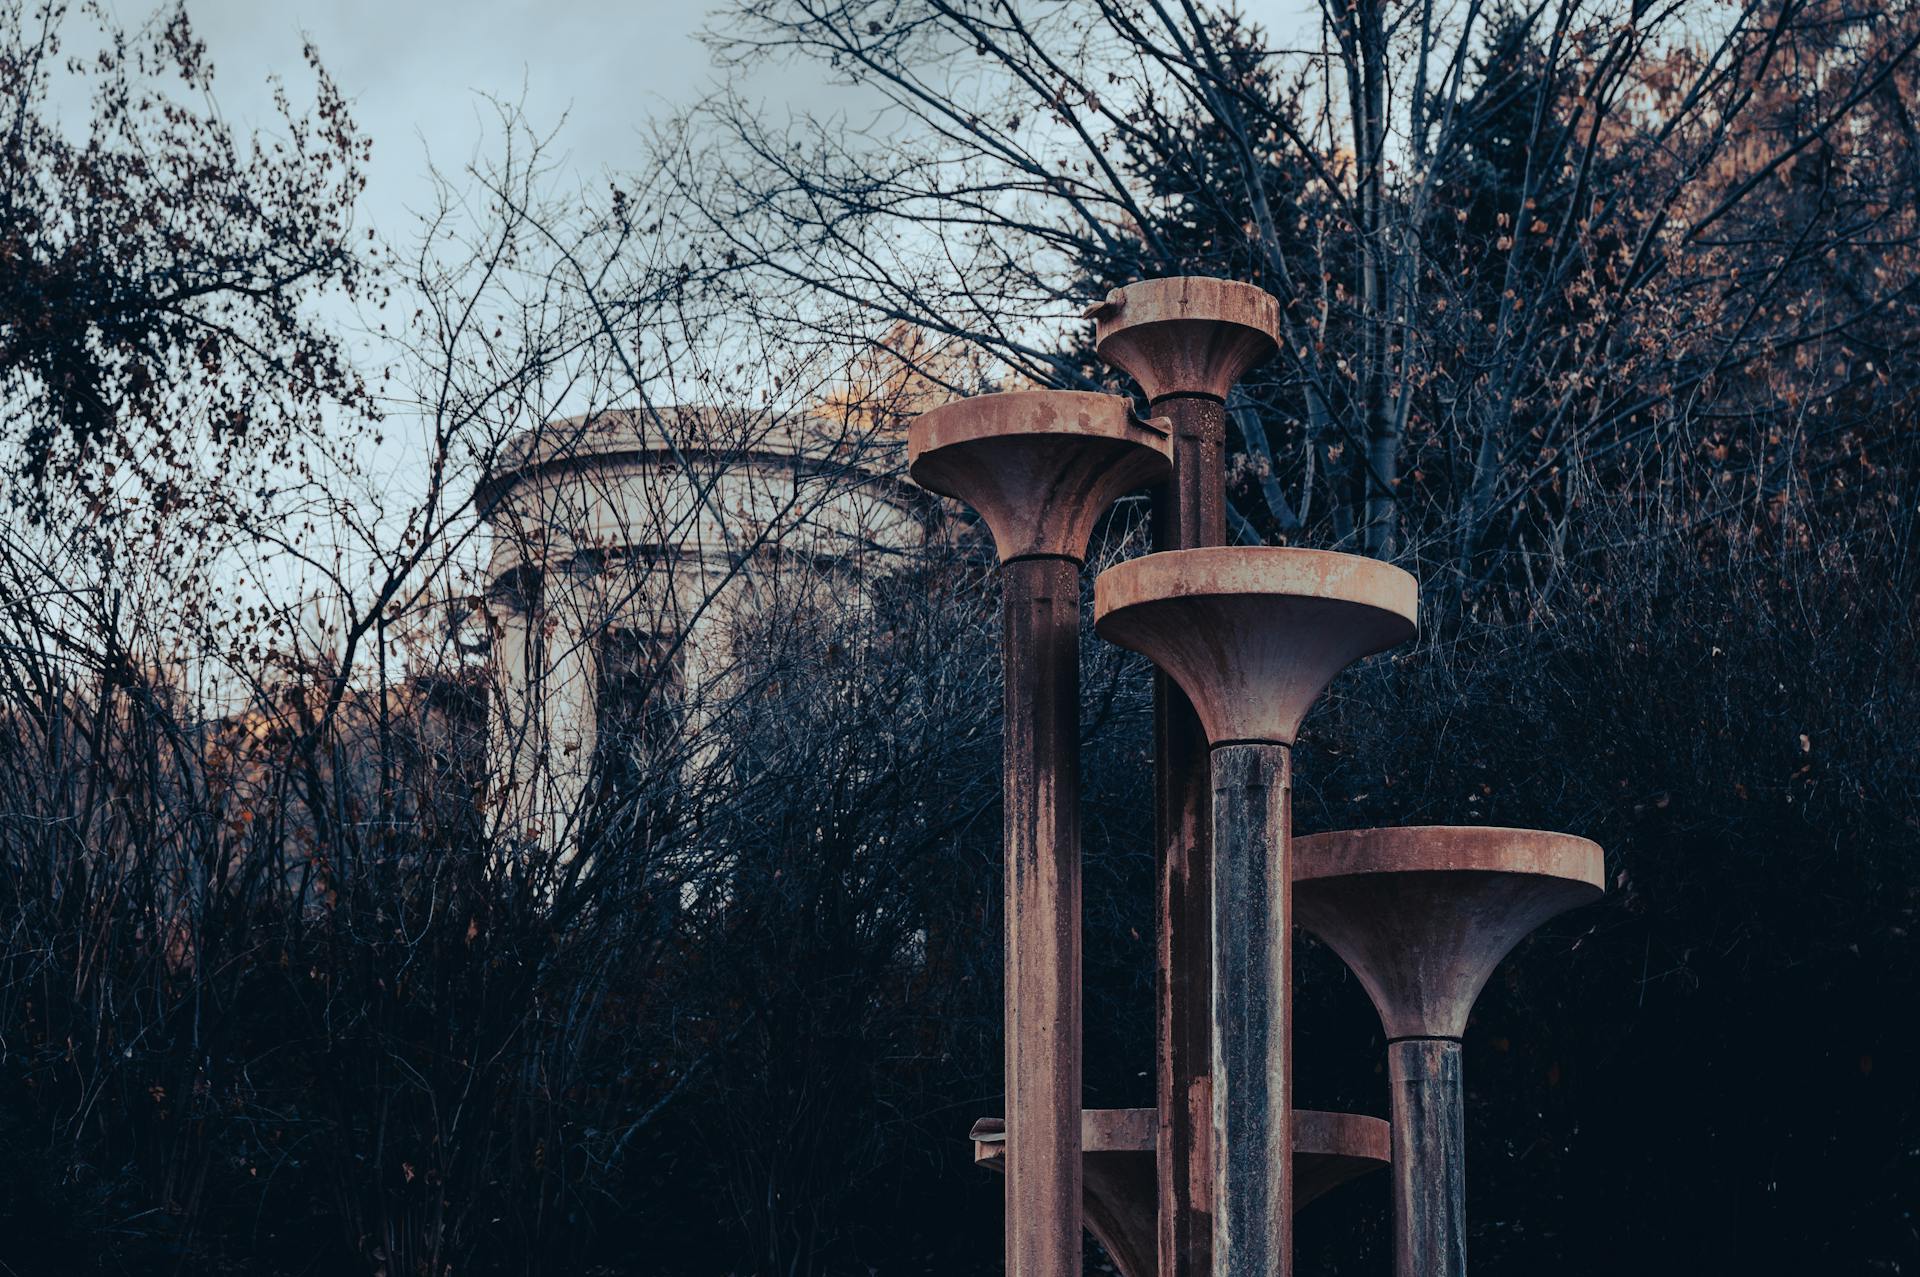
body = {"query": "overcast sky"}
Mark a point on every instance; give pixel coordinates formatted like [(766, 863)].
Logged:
[(415, 69), (415, 72)]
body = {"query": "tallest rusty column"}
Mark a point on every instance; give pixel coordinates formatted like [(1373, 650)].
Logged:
[(1185, 341)]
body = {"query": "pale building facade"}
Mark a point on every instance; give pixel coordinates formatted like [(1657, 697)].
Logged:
[(626, 548)]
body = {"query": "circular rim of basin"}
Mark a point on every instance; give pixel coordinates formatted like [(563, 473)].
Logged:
[(1333, 1134), (1165, 300), (1257, 571), (1086, 414), (1399, 849)]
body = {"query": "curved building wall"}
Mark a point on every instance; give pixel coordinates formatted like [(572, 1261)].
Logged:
[(621, 546)]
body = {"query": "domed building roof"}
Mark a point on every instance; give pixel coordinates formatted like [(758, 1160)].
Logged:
[(686, 430), (691, 481)]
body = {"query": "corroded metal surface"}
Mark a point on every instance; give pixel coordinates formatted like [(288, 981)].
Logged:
[(1186, 341), (1429, 1149), (1041, 613), (1331, 1148), (1254, 634), (1186, 335), (1118, 1147), (1040, 466), (1189, 513), (1195, 516), (1252, 1011), (1423, 914), (1183, 981), (1117, 1152)]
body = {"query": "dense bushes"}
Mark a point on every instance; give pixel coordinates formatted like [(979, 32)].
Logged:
[(1678, 1078), (273, 999), (243, 1034)]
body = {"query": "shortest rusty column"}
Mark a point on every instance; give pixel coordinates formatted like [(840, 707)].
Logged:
[(1253, 635), (1040, 467), (1422, 916)]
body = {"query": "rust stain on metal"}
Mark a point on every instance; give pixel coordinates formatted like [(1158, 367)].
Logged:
[(1195, 515), (1040, 467), (1423, 914), (1183, 982), (1429, 1145), (1252, 1011), (1041, 613), (1186, 335), (1252, 636), (1245, 641), (1185, 341)]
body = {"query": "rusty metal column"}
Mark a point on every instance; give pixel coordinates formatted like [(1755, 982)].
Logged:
[(1189, 513), (1429, 1158), (1422, 915), (1040, 467), (1252, 1010), (1196, 500), (1253, 635), (1041, 624), (1186, 341)]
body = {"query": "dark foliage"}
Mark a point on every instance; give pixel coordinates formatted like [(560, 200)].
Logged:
[(273, 999), (153, 264)]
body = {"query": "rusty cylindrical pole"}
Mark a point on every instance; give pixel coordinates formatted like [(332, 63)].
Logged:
[(1422, 916), (1252, 1024), (1040, 612), (1186, 341), (1253, 635), (1040, 467), (1429, 1158)]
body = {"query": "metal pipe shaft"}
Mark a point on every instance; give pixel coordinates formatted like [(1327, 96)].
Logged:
[(1252, 1012), (1041, 629), (1188, 514), (1429, 1158), (1199, 507)]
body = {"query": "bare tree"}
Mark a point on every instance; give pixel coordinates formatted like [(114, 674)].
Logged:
[(1514, 245), (293, 976), (155, 260), (284, 968)]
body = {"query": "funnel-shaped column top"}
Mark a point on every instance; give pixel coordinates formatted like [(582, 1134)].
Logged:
[(1040, 466), (1253, 634), (1187, 335), (1422, 915)]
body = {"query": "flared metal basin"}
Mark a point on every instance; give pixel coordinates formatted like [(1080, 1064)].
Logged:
[(1039, 466), (1118, 1170), (1253, 634), (1191, 334), (1423, 914)]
